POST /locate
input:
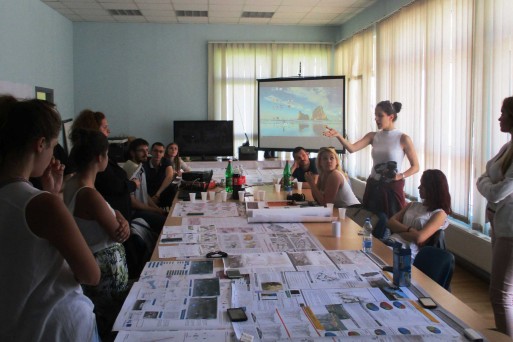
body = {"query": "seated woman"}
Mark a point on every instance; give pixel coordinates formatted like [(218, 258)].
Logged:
[(103, 230), (332, 185), (177, 163), (418, 221), (44, 256)]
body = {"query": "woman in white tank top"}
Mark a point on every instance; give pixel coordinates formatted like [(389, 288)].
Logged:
[(384, 191), (44, 256), (332, 186)]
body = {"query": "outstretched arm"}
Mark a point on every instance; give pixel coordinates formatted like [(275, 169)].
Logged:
[(357, 146)]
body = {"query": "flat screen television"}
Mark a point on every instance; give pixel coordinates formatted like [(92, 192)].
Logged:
[(205, 139), (295, 111)]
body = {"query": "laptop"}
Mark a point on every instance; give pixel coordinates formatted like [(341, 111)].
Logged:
[(194, 182)]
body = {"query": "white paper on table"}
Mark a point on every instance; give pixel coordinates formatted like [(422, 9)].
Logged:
[(260, 218), (175, 336), (185, 229), (251, 263), (178, 238), (179, 251), (311, 260), (173, 308)]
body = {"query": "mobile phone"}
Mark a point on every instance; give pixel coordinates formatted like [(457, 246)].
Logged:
[(237, 315), (427, 302), (233, 274)]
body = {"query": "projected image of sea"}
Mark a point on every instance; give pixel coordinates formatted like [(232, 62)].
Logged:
[(299, 111)]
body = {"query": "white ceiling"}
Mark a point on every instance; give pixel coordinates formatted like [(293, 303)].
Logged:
[(286, 12)]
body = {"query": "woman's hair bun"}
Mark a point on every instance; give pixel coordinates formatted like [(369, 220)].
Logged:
[(397, 106)]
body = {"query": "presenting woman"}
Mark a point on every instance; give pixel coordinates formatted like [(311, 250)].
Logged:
[(44, 256), (384, 191), (496, 185), (332, 185)]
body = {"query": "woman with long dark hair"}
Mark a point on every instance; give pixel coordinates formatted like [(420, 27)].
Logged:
[(418, 221), (44, 256)]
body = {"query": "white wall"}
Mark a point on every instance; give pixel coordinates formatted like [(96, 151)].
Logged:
[(37, 49), (144, 76)]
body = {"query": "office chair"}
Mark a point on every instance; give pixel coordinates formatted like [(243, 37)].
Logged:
[(437, 264), (437, 239)]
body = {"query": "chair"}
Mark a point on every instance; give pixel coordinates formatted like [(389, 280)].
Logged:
[(437, 239), (437, 264)]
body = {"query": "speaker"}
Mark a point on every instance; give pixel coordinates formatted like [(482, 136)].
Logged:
[(248, 153)]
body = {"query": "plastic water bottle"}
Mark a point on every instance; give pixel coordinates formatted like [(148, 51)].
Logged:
[(402, 265), (367, 236)]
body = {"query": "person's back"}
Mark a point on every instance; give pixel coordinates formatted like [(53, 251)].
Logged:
[(41, 300)]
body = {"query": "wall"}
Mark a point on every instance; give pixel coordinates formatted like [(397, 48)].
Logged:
[(144, 76), (37, 49), (380, 10)]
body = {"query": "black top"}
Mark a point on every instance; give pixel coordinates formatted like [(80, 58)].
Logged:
[(155, 175), (115, 187), (299, 173)]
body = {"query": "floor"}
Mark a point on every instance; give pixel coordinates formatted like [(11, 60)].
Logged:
[(473, 291)]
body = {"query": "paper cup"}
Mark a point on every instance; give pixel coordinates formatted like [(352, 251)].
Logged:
[(255, 195), (192, 196), (224, 196), (329, 205), (241, 195), (335, 228), (261, 195), (341, 213), (212, 195), (277, 187), (204, 195), (299, 186)]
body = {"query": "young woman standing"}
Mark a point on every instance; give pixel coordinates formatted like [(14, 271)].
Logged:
[(384, 191)]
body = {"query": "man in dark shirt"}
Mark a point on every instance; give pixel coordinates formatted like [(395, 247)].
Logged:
[(303, 164), (159, 176)]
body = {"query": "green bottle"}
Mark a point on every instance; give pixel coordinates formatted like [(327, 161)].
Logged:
[(287, 184), (229, 177)]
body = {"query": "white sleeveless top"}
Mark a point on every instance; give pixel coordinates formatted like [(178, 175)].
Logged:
[(94, 234), (386, 146), (416, 216), (41, 300), (345, 196)]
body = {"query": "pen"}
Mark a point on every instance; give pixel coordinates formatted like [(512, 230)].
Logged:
[(194, 214)]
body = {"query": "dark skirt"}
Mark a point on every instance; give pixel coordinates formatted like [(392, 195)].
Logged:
[(382, 197)]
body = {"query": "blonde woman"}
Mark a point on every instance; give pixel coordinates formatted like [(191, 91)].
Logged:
[(332, 185), (496, 185)]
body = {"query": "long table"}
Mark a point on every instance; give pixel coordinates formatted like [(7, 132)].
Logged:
[(350, 240)]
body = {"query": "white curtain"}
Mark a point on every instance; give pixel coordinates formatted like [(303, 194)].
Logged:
[(354, 58), (424, 61), (235, 67)]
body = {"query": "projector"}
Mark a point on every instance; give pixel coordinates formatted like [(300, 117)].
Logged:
[(248, 153)]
